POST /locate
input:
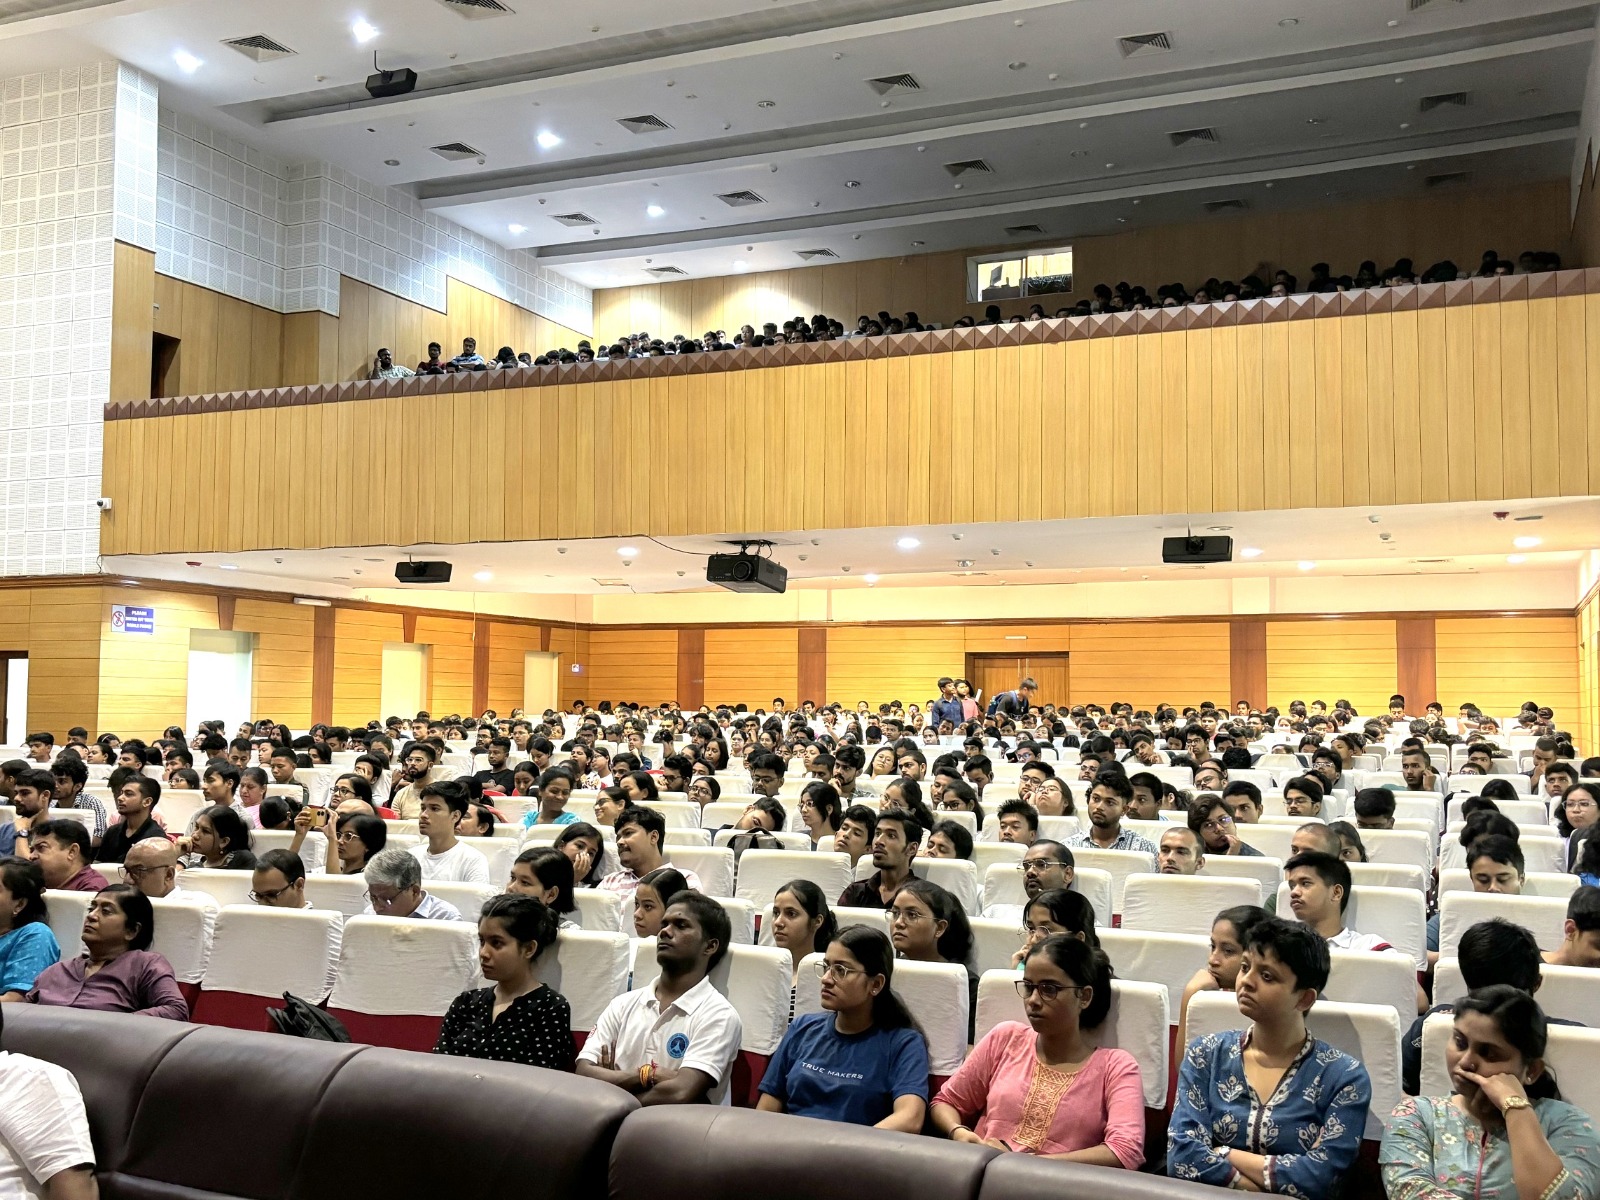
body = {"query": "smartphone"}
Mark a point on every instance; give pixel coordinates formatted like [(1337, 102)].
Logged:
[(319, 814)]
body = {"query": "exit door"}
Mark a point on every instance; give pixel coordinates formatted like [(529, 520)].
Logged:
[(994, 673)]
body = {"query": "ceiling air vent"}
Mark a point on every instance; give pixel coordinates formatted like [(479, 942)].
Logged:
[(820, 252), (894, 83), (1144, 43), (665, 271), (1216, 206), (477, 10), (259, 47), (1413, 5), (969, 166), (1445, 100), (612, 582), (576, 218), (1448, 179), (648, 123), (456, 151), (1023, 230), (741, 199), (1182, 137)]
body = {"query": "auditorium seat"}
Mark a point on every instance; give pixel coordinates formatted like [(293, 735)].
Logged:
[(1405, 847), (762, 872), (468, 898), (1374, 977), (1534, 883), (225, 887), (727, 811), (799, 843), (1003, 889), (313, 853), (993, 943), (1565, 992), (1146, 956), (600, 910), (345, 894), (1541, 853), (1272, 840), (173, 810), (1476, 783), (1396, 875), (713, 864), (1529, 812), (986, 854), (64, 911), (183, 931), (1543, 916), (259, 953), (1182, 903), (1119, 864), (499, 851), (1266, 871), (398, 975), (590, 968), (1059, 829), (1397, 915), (936, 994), (742, 917)]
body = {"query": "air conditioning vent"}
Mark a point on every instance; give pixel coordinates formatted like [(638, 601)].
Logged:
[(1023, 230), (894, 83), (1235, 205), (1144, 43), (969, 166), (477, 10), (820, 252), (741, 199), (1446, 100), (574, 218), (1413, 5), (665, 271), (1448, 179), (1181, 137), (612, 582), (259, 47), (456, 151), (648, 123)]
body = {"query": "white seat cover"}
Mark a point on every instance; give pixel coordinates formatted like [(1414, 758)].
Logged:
[(1182, 903), (986, 854), (1170, 959), (1398, 916), (762, 872), (404, 966), (1059, 829), (1273, 840), (1405, 847), (712, 864), (1384, 977), (313, 853), (1565, 992), (1119, 864), (936, 994), (265, 952), (1532, 811), (993, 943), (741, 919), (1543, 916), (1399, 875), (500, 852), (64, 913), (225, 887), (468, 898), (590, 968), (1534, 883), (602, 911), (1266, 871), (756, 981), (346, 894), (798, 843), (183, 931)]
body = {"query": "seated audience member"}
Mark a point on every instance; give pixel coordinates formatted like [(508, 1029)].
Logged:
[(857, 829), (497, 776), (820, 811), (1210, 777), (1147, 796), (1577, 811), (928, 924), (1374, 808), (479, 820), (554, 789), (1245, 799), (1107, 804), (1270, 1108), (1497, 867), (45, 1148), (1416, 768), (409, 779), (802, 922), (901, 792), (1351, 847), (279, 880), (1018, 821), (703, 789), (1212, 817), (1230, 934), (1558, 777), (469, 359), (1302, 796), (584, 846), (434, 364), (1052, 797), (1180, 852), (651, 897), (71, 775), (673, 1040), (1319, 893), (894, 850), (61, 849), (1580, 934), (1012, 1092), (384, 366), (641, 834), (220, 841), (956, 797), (32, 804), (1505, 1131), (152, 867), (1045, 865), (118, 972), (949, 840), (1053, 912), (862, 1060), (394, 889), (517, 1019), (443, 856), (27, 946), (849, 761), (1586, 856), (609, 805), (277, 812), (546, 874), (761, 815)]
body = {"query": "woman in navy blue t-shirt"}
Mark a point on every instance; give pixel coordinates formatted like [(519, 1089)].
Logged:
[(863, 1060)]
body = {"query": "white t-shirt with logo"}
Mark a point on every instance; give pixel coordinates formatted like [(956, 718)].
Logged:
[(459, 864), (700, 1029), (44, 1129)]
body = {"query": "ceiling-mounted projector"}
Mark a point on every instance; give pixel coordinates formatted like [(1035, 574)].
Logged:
[(391, 83), (422, 572), (745, 572), (1193, 549)]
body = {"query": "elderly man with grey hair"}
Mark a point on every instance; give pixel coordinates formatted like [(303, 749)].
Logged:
[(394, 889)]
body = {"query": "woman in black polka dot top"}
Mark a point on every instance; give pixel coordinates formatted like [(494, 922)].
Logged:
[(518, 1019)]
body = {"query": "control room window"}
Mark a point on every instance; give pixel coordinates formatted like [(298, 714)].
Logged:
[(1014, 276)]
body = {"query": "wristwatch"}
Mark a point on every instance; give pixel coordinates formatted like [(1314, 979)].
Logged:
[(1515, 1102)]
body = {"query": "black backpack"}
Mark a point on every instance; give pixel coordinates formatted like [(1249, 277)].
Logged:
[(752, 839), (299, 1019)]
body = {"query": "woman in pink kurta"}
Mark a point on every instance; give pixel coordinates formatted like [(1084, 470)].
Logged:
[(1042, 1088)]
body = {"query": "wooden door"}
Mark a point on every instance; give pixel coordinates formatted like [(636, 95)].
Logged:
[(1002, 672)]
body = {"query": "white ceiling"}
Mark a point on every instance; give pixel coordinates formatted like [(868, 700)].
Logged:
[(1076, 133), (1436, 539)]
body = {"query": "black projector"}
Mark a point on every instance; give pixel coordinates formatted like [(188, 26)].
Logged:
[(422, 572), (391, 83), (1193, 549), (746, 573)]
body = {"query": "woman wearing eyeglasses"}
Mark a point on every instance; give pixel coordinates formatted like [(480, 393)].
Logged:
[(1043, 1088), (862, 1060)]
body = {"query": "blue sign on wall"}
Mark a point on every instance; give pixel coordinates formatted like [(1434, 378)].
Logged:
[(125, 618)]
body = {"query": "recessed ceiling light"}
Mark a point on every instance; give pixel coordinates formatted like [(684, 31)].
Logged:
[(870, 577), (627, 551), (852, 183), (654, 210), (363, 30), (483, 576), (229, 566), (908, 543), (1526, 543), (1250, 552), (963, 562), (1316, 120), (1289, 22), (1307, 566), (187, 63), (517, 228), (547, 140), (1016, 66), (766, 104), (1219, 528), (1513, 559), (739, 264)]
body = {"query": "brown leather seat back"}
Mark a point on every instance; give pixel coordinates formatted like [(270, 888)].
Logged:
[(1023, 1177)]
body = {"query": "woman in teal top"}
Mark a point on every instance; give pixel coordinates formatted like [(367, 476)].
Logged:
[(27, 946), (1504, 1133)]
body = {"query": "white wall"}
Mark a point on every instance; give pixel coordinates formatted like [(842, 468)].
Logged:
[(220, 669)]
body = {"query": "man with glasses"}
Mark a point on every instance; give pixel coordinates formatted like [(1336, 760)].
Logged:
[(152, 867), (394, 889), (136, 803), (1211, 818), (279, 881), (1045, 866)]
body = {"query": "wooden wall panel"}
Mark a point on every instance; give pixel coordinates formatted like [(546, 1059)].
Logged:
[(225, 344), (282, 666), (359, 636), (752, 666), (571, 644), (508, 648), (1426, 228), (897, 663), (133, 298), (1498, 662), (59, 629), (632, 664), (449, 662), (1145, 664), (144, 680), (1247, 654), (1416, 661), (1331, 660)]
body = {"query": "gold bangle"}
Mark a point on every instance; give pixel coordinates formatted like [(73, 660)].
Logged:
[(1515, 1102)]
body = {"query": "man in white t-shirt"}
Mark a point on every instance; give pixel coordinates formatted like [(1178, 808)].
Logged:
[(45, 1151), (674, 1040), (1319, 892), (445, 858)]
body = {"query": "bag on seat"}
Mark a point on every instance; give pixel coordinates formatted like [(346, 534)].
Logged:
[(752, 839), (299, 1019)]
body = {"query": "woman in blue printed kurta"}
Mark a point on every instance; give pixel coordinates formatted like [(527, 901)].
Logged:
[(1270, 1108), (1504, 1132)]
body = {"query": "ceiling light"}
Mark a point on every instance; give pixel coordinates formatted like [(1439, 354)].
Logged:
[(627, 551), (229, 566), (391, 162), (963, 562), (517, 228), (870, 577), (1526, 543), (766, 104), (1016, 66), (739, 264), (655, 210), (1289, 22), (362, 30), (547, 140), (852, 183), (483, 576), (1219, 528), (1307, 566), (1514, 559), (187, 63), (1250, 552), (908, 543)]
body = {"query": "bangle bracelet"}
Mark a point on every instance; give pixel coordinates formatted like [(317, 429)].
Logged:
[(957, 1130)]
